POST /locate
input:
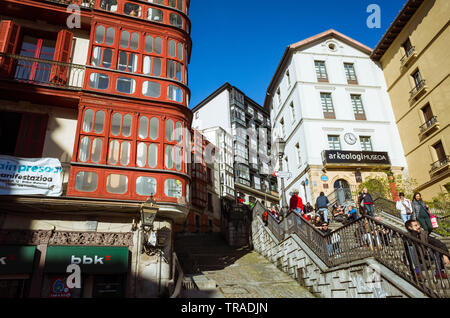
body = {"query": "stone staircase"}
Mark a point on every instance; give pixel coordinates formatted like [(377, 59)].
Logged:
[(215, 270)]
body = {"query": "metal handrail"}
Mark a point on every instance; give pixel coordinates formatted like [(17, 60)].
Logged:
[(41, 72), (367, 237), (430, 122)]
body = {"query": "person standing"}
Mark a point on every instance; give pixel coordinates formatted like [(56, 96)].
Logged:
[(296, 203), (367, 200), (325, 231), (362, 209), (322, 206), (421, 214), (405, 207)]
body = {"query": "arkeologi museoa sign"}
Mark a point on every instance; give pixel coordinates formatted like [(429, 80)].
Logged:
[(361, 157), (30, 176)]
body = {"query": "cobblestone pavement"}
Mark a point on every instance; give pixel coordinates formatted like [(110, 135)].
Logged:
[(238, 272)]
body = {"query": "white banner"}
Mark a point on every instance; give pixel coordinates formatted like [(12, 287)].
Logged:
[(30, 176)]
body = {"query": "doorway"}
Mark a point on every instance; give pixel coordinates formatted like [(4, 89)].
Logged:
[(342, 190)]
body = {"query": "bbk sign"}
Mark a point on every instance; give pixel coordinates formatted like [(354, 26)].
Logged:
[(86, 260), (16, 259), (91, 259)]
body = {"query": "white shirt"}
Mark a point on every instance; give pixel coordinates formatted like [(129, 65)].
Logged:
[(401, 206)]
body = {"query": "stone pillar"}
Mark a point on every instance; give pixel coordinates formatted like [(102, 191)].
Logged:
[(153, 270)]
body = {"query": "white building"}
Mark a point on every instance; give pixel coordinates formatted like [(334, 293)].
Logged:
[(233, 112), (327, 98)]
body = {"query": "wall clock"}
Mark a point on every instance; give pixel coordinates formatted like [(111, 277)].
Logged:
[(350, 138)]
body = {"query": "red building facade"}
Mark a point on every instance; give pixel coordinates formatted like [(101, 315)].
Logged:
[(116, 88), (131, 124)]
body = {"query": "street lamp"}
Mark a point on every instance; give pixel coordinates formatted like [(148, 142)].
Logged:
[(284, 206), (148, 210)]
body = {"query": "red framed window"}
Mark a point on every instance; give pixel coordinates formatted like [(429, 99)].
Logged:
[(92, 136), (154, 13), (148, 143), (121, 139), (125, 184), (173, 145), (103, 49)]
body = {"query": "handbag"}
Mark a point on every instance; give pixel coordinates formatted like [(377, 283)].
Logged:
[(434, 221)]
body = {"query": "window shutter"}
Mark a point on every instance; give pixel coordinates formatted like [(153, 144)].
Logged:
[(9, 39), (62, 54), (30, 141)]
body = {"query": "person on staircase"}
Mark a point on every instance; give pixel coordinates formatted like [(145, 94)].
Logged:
[(296, 203), (421, 213), (317, 222), (367, 200), (414, 228), (309, 211), (322, 206), (352, 214), (405, 207)]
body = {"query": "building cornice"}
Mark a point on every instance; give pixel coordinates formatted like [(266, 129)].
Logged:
[(402, 19)]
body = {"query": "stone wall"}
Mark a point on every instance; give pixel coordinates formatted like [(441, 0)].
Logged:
[(359, 279)]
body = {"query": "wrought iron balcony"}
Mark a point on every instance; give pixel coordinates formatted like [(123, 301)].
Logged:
[(441, 163), (416, 90), (428, 124), (30, 70), (81, 3)]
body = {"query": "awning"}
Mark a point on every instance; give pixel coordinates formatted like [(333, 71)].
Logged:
[(16, 259), (92, 259)]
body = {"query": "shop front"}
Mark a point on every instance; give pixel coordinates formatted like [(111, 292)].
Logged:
[(16, 266), (103, 271)]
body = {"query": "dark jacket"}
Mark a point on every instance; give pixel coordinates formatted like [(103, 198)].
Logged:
[(424, 237), (422, 217), (416, 208), (322, 202), (367, 198)]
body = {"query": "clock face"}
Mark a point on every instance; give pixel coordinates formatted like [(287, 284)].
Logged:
[(350, 138)]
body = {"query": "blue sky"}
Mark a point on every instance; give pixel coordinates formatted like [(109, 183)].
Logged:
[(242, 41)]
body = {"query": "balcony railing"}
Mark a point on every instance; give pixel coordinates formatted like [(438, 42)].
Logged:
[(408, 54), (428, 124), (417, 89), (41, 72), (440, 163)]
